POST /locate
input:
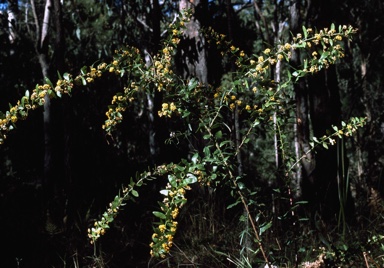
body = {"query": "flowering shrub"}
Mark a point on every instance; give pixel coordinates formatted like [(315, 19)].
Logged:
[(249, 91)]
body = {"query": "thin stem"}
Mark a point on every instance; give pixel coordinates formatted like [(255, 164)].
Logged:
[(242, 198)]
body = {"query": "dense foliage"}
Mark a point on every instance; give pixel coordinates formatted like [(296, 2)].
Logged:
[(227, 146)]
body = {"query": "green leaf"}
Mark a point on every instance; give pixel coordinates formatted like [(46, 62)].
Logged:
[(135, 193), (48, 82), (265, 227), (83, 70), (325, 145), (83, 81), (190, 178), (234, 204), (164, 192), (219, 134), (159, 214), (195, 158), (67, 76), (206, 137), (305, 32)]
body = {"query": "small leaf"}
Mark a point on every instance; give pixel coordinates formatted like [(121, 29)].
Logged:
[(206, 137), (325, 145), (234, 204), (190, 178), (159, 215), (67, 76), (135, 193), (305, 32), (265, 227), (49, 82), (195, 158), (83, 70), (164, 192)]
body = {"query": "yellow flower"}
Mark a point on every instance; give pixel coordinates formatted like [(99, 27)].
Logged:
[(287, 46), (172, 107), (233, 97), (247, 107), (242, 54), (102, 66), (162, 228), (42, 94), (164, 106), (169, 237), (115, 62), (174, 213), (280, 57), (233, 48), (175, 41), (267, 51), (254, 89), (338, 37)]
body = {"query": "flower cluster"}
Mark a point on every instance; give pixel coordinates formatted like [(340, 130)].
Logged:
[(167, 109), (346, 129), (119, 201), (174, 200)]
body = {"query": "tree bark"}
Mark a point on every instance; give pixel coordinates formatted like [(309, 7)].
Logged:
[(193, 49)]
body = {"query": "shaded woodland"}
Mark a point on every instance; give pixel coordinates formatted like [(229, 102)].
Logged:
[(59, 169)]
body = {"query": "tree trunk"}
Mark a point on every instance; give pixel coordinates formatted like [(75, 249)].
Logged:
[(12, 13), (193, 54), (53, 156)]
